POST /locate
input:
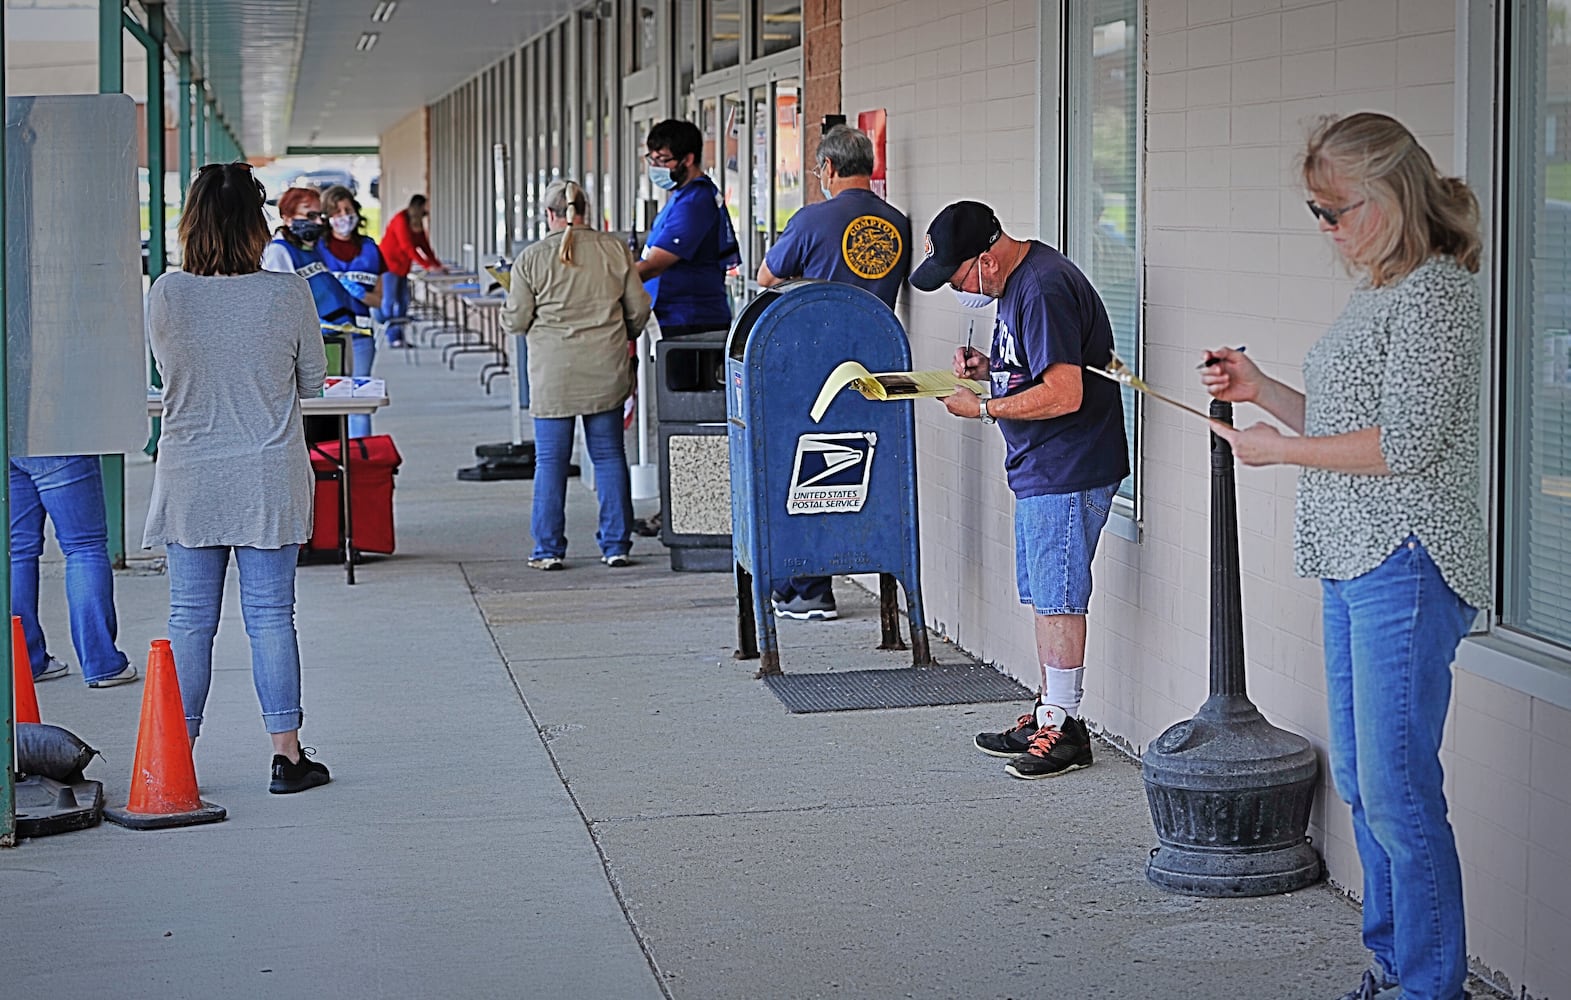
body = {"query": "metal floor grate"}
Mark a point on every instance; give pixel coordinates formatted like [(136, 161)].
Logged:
[(912, 687)]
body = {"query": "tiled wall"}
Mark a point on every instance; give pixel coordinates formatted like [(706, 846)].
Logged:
[(1232, 257)]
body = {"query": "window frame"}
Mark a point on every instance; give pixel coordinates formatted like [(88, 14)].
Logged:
[(1062, 94)]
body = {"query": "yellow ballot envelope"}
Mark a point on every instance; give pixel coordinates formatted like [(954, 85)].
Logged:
[(501, 275), (889, 385)]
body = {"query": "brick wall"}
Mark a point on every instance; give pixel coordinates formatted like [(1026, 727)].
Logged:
[(1232, 257), (821, 76)]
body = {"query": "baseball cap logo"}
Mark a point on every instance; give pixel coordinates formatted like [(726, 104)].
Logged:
[(927, 244)]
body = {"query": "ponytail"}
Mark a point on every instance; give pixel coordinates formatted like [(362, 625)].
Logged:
[(565, 200)]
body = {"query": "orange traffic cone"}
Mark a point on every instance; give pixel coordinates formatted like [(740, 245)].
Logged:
[(163, 778), (22, 667)]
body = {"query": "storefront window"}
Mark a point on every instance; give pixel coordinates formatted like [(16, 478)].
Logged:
[(788, 152), (1101, 158), (762, 172), (777, 25), (722, 28), (1536, 515)]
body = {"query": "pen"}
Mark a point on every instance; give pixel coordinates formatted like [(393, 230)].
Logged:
[(1211, 361), (970, 329)]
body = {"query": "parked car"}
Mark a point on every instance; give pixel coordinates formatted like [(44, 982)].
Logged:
[(326, 178)]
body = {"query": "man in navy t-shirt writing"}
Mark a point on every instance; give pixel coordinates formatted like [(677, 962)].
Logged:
[(691, 243), (1065, 456), (852, 236)]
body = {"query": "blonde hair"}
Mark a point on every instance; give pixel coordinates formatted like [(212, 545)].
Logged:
[(565, 200), (1425, 213)]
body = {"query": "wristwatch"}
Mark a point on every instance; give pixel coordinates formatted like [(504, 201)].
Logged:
[(987, 418)]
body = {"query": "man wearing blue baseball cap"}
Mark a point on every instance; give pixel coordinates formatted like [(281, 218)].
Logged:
[(1063, 428)]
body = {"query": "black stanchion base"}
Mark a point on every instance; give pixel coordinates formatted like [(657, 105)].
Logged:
[(1221, 874), (45, 806)]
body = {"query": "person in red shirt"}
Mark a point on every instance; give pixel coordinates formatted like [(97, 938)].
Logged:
[(404, 244)]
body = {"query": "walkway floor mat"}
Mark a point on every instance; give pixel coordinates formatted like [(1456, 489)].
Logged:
[(912, 687)]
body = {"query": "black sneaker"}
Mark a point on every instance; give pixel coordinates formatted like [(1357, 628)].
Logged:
[(1376, 985), (804, 610), (1010, 742), (289, 778), (1054, 751)]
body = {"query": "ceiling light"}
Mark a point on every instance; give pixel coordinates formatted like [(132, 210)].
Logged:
[(367, 41), (384, 10)]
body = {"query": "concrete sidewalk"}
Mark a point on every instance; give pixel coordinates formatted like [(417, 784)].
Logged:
[(561, 785)]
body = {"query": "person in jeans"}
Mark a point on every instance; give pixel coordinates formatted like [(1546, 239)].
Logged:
[(404, 244), (69, 490), (238, 348), (1386, 432), (1063, 431), (356, 261), (577, 298)]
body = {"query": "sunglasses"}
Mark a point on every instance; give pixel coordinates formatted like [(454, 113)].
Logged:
[(1332, 216), (260, 190)]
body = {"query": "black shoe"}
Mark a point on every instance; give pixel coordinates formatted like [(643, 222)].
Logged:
[(1376, 985), (1054, 751), (1010, 742), (649, 526), (289, 778), (805, 609)]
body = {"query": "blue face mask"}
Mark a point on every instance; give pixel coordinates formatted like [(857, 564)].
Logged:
[(661, 178)]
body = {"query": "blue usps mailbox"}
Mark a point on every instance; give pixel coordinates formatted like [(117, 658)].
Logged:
[(819, 499)]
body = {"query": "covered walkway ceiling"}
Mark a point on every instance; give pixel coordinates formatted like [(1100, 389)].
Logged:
[(290, 72)]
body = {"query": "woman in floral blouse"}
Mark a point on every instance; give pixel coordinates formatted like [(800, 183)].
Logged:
[(1388, 518)]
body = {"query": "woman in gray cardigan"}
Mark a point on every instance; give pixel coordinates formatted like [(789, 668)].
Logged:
[(238, 348)]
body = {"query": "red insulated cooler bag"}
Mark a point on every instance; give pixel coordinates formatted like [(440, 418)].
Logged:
[(372, 463)]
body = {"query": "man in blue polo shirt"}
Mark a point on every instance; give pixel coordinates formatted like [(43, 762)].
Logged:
[(691, 243), (852, 236), (1065, 455)]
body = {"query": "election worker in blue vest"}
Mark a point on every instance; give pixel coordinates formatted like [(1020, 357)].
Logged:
[(691, 244), (293, 251), (852, 236), (1065, 451), (355, 260)]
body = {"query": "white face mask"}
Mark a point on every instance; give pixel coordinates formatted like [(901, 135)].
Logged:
[(823, 182), (343, 225), (978, 299)]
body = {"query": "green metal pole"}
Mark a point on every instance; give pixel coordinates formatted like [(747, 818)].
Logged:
[(111, 48), (185, 167), (111, 80), (7, 683), (201, 124), (152, 39)]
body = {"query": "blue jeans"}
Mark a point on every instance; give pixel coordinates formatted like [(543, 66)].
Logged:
[(395, 306), (267, 601), (1390, 636), (1055, 540), (364, 353), (70, 490), (553, 451)]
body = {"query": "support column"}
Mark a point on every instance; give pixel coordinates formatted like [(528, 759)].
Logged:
[(111, 80), (187, 151), (821, 50), (152, 39), (8, 675)]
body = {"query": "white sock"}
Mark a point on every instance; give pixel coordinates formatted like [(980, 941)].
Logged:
[(1065, 688)]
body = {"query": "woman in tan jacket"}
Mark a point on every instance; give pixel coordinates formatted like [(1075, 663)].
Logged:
[(577, 297)]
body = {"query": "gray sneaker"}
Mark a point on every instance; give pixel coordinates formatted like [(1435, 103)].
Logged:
[(804, 610), (125, 676), (53, 668)]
